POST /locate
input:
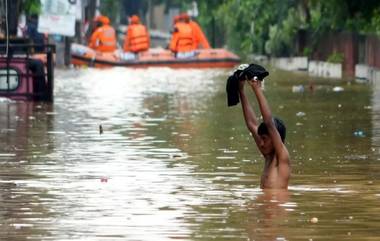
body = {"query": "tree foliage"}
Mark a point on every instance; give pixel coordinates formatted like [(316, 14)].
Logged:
[(111, 9), (271, 26), (31, 7)]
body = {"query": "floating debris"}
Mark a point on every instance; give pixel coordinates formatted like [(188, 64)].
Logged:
[(300, 114), (338, 89), (359, 133), (298, 88), (314, 220), (100, 129), (177, 156)]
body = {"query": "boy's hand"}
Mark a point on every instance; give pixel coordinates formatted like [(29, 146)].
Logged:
[(255, 70), (255, 83)]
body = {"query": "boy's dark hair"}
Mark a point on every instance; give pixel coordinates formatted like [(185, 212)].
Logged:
[(280, 126)]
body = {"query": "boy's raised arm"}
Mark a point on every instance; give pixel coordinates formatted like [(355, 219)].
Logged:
[(249, 115), (279, 146)]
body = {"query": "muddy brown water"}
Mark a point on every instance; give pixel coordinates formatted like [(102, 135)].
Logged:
[(174, 163)]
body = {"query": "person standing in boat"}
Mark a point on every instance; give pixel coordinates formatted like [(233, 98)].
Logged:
[(201, 41), (137, 37), (103, 39), (182, 43)]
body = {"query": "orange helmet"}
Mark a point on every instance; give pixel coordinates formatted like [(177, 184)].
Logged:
[(185, 17), (176, 19), (134, 19), (102, 19)]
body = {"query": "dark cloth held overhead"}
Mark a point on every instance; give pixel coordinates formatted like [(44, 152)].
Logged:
[(243, 72), (254, 70), (232, 86)]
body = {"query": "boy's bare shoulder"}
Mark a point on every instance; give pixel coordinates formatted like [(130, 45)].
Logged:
[(283, 154)]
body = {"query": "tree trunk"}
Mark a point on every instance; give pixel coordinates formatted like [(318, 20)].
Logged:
[(13, 14), (67, 54), (90, 11)]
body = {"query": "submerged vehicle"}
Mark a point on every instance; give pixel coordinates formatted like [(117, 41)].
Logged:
[(202, 58), (26, 70)]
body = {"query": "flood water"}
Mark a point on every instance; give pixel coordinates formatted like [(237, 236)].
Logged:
[(174, 163)]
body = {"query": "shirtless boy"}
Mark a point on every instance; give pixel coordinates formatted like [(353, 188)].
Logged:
[(269, 137)]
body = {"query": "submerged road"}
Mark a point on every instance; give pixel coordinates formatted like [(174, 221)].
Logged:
[(173, 162)]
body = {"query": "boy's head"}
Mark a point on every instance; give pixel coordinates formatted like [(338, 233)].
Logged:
[(280, 126)]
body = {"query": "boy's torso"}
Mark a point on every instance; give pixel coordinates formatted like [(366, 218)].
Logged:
[(272, 178)]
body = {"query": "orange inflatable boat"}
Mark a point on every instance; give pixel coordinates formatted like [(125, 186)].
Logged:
[(202, 58)]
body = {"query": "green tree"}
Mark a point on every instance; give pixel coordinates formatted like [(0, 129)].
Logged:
[(272, 26), (111, 9), (31, 7)]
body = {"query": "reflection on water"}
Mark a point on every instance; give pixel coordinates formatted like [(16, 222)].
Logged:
[(173, 162), (268, 213)]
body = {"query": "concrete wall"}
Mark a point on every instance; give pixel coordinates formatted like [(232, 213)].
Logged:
[(362, 71), (366, 72), (291, 64), (315, 68), (319, 68), (355, 48), (376, 108), (325, 69)]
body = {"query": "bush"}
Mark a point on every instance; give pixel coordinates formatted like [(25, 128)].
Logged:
[(336, 57), (307, 52)]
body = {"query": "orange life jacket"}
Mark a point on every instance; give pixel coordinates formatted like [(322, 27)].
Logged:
[(136, 39), (200, 38), (182, 38), (103, 39)]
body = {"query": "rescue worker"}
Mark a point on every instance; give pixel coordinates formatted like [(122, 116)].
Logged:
[(182, 43), (137, 37), (200, 38), (103, 39)]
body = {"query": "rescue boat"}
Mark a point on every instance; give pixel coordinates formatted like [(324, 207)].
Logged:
[(203, 58)]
